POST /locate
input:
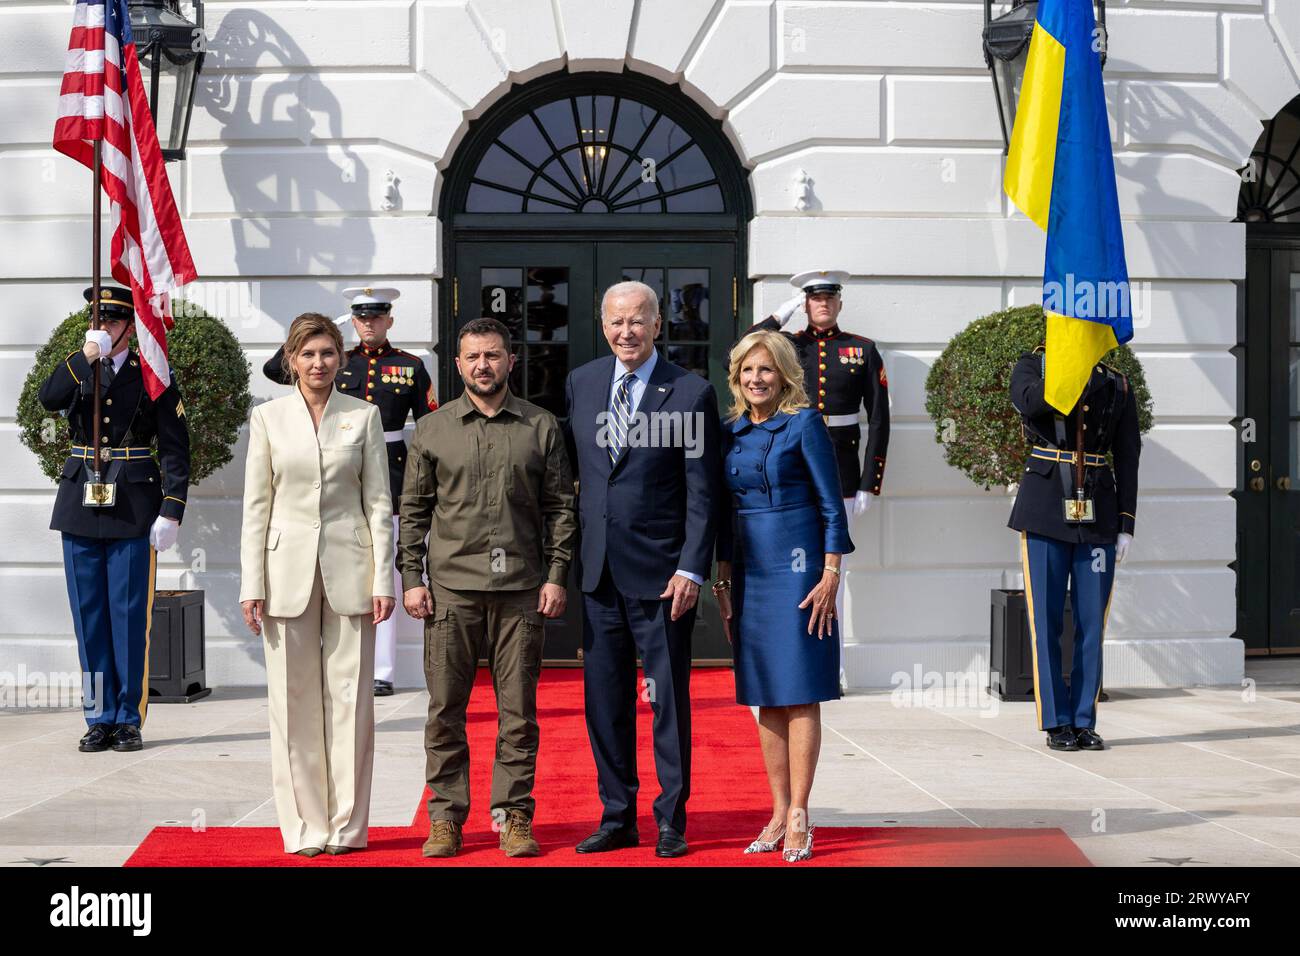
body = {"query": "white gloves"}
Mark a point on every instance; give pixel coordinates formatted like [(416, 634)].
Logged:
[(98, 344), (1122, 545), (164, 533), (789, 308), (862, 503)]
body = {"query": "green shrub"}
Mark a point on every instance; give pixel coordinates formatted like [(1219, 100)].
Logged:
[(967, 394), (209, 368)]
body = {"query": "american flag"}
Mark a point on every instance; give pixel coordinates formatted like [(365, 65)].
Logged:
[(103, 98)]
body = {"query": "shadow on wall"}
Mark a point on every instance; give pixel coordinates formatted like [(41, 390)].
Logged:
[(291, 217), (1147, 107), (281, 237)]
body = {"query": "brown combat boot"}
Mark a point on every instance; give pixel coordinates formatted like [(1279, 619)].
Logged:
[(517, 835), (444, 839)]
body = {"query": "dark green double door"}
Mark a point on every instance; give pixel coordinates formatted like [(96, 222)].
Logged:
[(548, 294), (1268, 490)]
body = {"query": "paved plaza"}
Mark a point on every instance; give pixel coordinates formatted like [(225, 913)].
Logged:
[(1193, 777)]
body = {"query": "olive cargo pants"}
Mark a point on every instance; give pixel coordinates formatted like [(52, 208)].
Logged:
[(510, 627)]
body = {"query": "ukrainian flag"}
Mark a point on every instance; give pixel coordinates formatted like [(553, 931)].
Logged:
[(1061, 174)]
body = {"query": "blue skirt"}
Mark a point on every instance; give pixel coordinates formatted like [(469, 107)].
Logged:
[(779, 558)]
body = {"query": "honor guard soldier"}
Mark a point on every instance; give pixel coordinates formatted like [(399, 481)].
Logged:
[(398, 383), (1075, 520), (115, 519), (843, 373)]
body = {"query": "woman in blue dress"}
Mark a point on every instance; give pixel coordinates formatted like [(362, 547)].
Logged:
[(779, 554)]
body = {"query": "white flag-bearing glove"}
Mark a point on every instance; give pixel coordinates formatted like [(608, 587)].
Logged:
[(343, 320), (862, 502), (1122, 546), (98, 344), (789, 308), (164, 533)]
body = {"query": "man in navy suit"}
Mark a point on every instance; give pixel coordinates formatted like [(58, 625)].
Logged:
[(644, 438)]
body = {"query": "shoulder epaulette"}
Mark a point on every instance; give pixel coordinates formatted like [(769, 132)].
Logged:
[(1120, 377)]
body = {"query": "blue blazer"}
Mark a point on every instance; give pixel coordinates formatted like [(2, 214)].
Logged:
[(655, 512), (776, 466)]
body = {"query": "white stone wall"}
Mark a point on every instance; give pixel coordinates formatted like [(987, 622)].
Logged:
[(306, 106)]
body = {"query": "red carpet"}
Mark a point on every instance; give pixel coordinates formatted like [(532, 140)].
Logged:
[(729, 804)]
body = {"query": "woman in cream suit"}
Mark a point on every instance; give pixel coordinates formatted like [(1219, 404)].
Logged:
[(315, 579)]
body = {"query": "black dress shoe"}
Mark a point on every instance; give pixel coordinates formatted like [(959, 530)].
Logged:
[(671, 843), (604, 840), (1062, 738), (126, 737), (1089, 739), (98, 738), (383, 688)]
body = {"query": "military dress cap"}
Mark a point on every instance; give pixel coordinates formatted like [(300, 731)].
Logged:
[(371, 300), (114, 302), (819, 280)]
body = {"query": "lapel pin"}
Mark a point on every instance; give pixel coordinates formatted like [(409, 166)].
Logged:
[(662, 389)]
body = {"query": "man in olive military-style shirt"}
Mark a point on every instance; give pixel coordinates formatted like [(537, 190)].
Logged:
[(488, 479)]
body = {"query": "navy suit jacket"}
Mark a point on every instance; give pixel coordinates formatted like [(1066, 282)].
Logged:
[(655, 512)]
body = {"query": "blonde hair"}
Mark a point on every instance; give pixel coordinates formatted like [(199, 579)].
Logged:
[(792, 397), (308, 326)]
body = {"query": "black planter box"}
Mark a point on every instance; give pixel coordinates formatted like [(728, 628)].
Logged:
[(1011, 661), (177, 659)]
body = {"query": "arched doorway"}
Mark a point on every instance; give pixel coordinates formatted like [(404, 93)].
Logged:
[(573, 182), (1268, 354)]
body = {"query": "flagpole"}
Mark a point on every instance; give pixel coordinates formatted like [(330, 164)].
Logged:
[(94, 299)]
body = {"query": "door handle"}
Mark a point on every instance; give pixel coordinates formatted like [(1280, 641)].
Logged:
[(1284, 483), (1257, 484)]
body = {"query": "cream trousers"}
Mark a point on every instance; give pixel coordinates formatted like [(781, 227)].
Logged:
[(319, 677)]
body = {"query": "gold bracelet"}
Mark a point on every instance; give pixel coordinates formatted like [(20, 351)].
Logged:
[(834, 571)]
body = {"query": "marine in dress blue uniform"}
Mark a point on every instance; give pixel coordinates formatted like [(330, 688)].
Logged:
[(399, 385), (844, 375), (785, 501), (1079, 555), (108, 555)]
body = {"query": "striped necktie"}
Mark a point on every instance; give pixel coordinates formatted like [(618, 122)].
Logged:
[(620, 414)]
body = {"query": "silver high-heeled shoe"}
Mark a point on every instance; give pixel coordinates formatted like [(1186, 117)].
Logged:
[(791, 855), (762, 846)]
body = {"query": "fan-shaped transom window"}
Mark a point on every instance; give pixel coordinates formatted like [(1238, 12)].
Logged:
[(594, 153)]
